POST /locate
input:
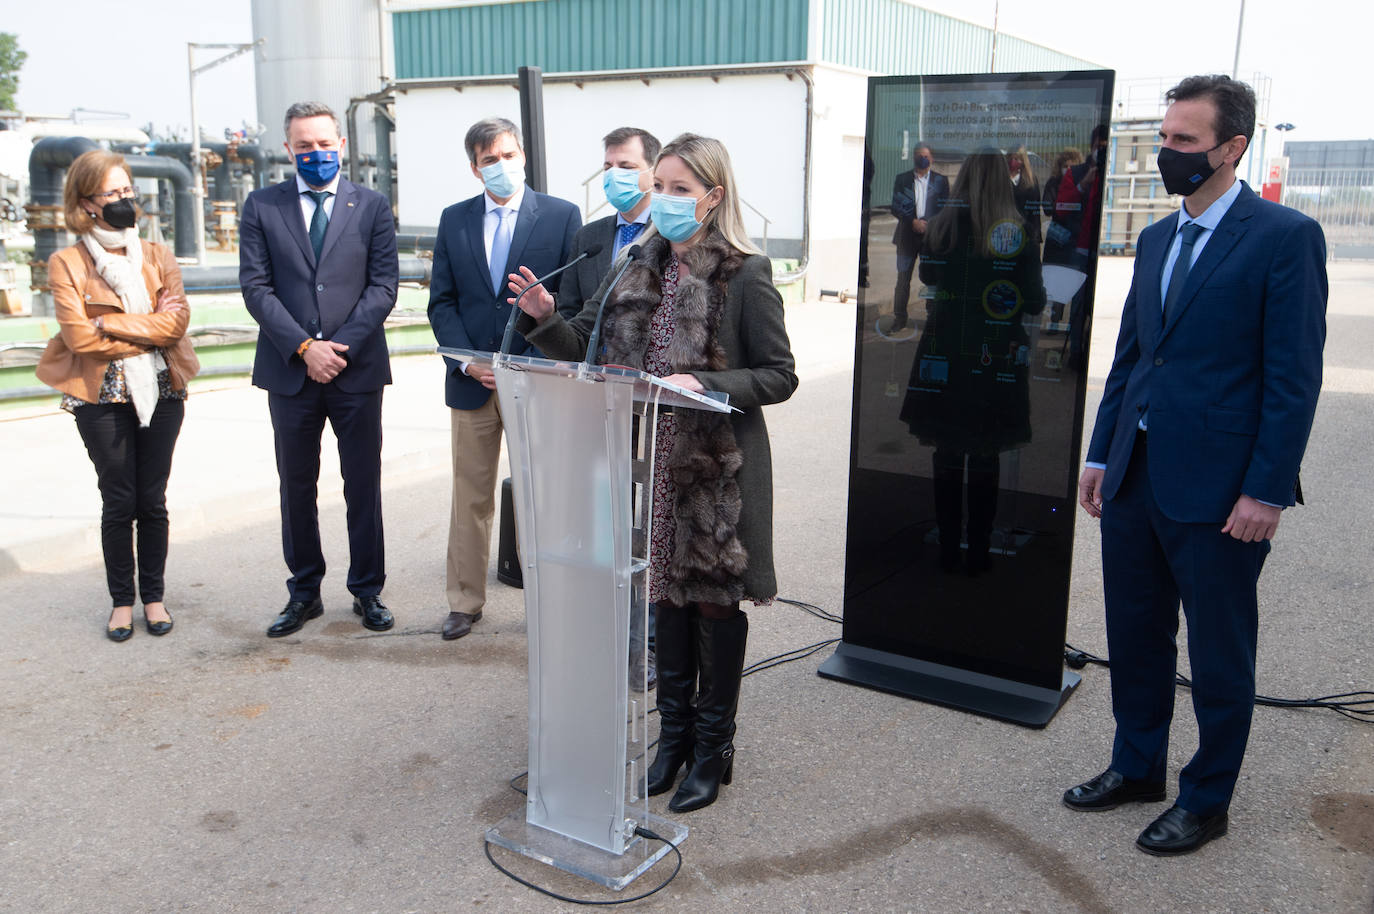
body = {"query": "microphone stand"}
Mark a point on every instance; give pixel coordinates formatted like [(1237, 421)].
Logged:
[(631, 255), (515, 309)]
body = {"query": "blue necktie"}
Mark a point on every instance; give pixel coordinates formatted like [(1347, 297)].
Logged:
[(500, 250), (1182, 265), (627, 233), (318, 222)]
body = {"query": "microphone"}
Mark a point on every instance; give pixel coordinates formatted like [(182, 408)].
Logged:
[(591, 251), (631, 256)]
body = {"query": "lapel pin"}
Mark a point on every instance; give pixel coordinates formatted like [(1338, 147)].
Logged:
[(350, 204)]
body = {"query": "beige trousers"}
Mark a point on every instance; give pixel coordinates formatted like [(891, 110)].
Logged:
[(476, 441)]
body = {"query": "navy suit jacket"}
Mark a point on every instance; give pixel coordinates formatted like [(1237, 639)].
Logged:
[(345, 297), (904, 208), (1230, 381), (463, 309), (582, 281)]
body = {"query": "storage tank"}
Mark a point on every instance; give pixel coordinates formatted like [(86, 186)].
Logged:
[(317, 50)]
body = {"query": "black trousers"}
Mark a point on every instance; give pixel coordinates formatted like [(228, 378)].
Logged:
[(297, 424), (132, 465)]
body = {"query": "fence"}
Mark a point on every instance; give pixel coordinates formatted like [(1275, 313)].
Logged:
[(1342, 200)]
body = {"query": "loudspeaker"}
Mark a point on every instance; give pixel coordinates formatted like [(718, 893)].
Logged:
[(507, 558)]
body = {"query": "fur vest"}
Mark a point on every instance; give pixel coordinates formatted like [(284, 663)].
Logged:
[(708, 558)]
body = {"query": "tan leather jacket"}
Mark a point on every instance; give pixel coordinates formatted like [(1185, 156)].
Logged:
[(76, 359)]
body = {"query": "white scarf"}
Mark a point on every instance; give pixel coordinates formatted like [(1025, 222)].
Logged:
[(125, 276)]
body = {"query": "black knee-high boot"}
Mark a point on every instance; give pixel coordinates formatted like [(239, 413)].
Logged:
[(720, 658), (675, 645)]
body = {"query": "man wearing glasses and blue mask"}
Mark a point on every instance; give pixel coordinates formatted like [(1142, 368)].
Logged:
[(480, 242)]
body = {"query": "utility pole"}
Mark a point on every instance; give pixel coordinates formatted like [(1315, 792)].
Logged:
[(197, 173), (1240, 27)]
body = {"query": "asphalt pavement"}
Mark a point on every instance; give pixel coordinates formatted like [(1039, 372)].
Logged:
[(339, 770)]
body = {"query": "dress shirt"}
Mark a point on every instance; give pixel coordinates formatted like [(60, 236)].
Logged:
[(512, 207), (919, 185), (308, 202), (641, 219)]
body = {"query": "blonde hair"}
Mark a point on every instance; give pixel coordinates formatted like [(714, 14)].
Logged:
[(709, 163), (981, 189), (84, 178)]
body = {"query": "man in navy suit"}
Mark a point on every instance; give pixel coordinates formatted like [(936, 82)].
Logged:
[(917, 196), (318, 268), (481, 241), (1195, 454)]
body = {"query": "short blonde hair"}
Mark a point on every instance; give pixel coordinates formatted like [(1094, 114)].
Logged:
[(84, 178)]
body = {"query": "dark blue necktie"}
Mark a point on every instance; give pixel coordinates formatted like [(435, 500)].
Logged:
[(1182, 265), (318, 222), (627, 233)]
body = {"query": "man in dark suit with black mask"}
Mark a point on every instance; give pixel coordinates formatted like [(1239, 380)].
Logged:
[(917, 196), (318, 268), (1195, 455)]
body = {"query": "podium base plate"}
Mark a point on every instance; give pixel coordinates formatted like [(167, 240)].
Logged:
[(614, 871), (1003, 699)]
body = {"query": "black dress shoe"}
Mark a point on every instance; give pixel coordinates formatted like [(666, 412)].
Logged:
[(1179, 831), (376, 617), (158, 628), (459, 624), (296, 614), (1109, 790), (122, 633)]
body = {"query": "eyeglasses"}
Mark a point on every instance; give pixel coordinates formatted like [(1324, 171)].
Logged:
[(116, 194)]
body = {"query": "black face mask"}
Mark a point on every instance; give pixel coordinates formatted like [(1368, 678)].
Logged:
[(1185, 172), (922, 163), (120, 214)]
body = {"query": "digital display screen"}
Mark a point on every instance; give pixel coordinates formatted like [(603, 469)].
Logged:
[(982, 202)]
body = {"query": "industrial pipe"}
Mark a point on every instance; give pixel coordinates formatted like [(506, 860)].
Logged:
[(47, 163), (183, 202), (201, 280)]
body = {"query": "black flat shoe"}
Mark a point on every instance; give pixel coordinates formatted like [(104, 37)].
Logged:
[(1179, 831), (1109, 790), (158, 628), (376, 617), (122, 633), (295, 615)]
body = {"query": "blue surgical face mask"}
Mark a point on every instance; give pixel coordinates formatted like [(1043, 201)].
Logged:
[(503, 178), (622, 188), (317, 167), (675, 217)]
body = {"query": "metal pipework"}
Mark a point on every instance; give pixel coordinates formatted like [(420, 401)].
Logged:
[(183, 202), (48, 163), (202, 280)]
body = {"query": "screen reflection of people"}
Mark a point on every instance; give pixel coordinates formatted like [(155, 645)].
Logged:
[(969, 392)]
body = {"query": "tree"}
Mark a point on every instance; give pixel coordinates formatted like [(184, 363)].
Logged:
[(11, 61)]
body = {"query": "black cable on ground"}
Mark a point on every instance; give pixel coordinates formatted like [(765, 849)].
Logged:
[(764, 664), (1354, 705), (639, 830)]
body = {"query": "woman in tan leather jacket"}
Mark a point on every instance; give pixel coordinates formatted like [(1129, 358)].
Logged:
[(121, 360)]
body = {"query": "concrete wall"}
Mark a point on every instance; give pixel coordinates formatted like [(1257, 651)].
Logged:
[(760, 118)]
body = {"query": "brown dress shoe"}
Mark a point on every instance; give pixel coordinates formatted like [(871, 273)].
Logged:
[(459, 624)]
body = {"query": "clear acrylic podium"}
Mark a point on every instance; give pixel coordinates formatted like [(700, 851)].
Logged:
[(581, 444)]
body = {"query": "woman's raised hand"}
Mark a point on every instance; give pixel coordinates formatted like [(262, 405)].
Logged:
[(538, 304)]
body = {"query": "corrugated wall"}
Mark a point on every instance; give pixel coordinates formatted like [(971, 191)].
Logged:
[(563, 36), (895, 38)]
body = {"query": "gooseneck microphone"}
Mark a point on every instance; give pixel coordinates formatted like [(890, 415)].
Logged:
[(594, 340), (591, 251)]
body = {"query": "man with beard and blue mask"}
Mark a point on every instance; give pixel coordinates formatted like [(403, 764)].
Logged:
[(1195, 454), (480, 242), (318, 269)]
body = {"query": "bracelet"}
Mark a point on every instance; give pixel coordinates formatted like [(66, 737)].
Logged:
[(300, 350)]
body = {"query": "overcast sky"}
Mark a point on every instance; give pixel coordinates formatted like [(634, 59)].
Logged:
[(1316, 53)]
